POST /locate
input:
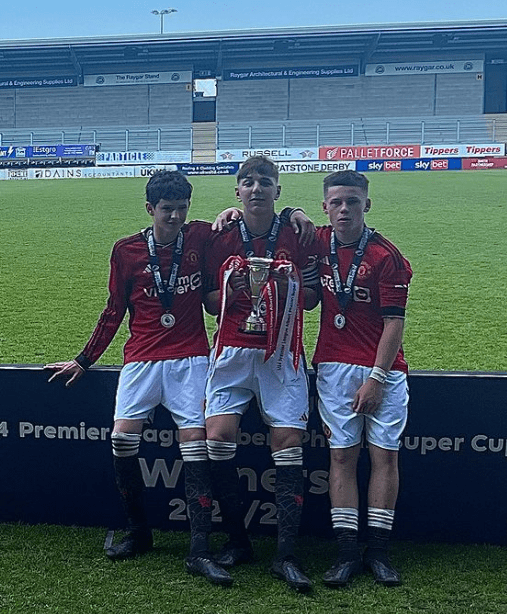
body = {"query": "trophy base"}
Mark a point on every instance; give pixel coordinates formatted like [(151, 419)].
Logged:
[(259, 328)]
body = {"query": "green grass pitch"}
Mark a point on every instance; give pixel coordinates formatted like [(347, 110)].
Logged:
[(57, 237)]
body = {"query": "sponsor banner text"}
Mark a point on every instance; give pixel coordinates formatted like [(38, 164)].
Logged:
[(369, 152), (462, 150), (276, 153), (315, 167), (428, 164), (420, 68), (138, 78), (47, 151), (483, 164), (108, 158), (24, 82), (306, 72)]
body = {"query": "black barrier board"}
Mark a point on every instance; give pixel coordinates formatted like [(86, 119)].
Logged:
[(56, 461)]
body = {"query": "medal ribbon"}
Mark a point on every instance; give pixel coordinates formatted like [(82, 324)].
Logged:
[(291, 325), (344, 291), (165, 294), (271, 239)]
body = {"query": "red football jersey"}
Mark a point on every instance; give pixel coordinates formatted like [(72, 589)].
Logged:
[(132, 288), (229, 243), (380, 289)]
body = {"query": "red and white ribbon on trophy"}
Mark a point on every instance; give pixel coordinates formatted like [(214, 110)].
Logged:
[(280, 340)]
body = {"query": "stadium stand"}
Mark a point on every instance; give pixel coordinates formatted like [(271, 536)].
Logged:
[(234, 135), (396, 87)]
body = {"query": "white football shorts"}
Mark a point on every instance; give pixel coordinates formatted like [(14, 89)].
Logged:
[(337, 384), (239, 374), (177, 384)]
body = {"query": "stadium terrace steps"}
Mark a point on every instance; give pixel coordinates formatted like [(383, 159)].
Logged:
[(203, 142)]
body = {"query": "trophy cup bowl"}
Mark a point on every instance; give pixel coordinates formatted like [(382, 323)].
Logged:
[(258, 275)]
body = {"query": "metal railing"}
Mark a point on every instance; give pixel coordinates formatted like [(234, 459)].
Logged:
[(251, 135)]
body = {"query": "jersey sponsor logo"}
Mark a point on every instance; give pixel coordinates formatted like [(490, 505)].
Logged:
[(362, 295), (327, 282), (185, 283), (359, 294)]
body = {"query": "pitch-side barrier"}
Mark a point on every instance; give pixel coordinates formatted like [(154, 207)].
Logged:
[(56, 461)]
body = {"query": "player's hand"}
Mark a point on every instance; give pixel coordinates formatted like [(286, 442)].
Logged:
[(237, 284), (302, 226), (70, 369), (225, 219), (368, 398)]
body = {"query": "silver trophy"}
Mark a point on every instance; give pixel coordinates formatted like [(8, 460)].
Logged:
[(258, 275)]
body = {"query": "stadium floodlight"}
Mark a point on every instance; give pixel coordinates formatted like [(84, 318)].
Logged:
[(161, 13)]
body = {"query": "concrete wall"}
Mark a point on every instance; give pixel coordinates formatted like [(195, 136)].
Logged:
[(459, 94), (315, 99), (248, 101), (258, 100), (96, 106)]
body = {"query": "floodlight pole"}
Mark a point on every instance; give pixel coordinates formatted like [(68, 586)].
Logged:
[(161, 13)]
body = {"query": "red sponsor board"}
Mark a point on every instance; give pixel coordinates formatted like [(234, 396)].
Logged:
[(481, 164), (439, 165), (370, 152), (392, 165)]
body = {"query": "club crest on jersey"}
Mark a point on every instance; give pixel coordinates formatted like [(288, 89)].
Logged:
[(364, 270), (193, 256), (282, 255)]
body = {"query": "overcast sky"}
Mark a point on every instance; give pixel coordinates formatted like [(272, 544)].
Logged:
[(61, 18)]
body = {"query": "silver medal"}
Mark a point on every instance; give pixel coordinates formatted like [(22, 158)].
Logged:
[(339, 321), (168, 320)]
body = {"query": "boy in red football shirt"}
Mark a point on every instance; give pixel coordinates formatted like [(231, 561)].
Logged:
[(361, 371), (156, 275), (265, 364)]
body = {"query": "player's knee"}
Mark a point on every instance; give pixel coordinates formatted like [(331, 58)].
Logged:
[(343, 457), (222, 428), (283, 438), (125, 444), (383, 459)]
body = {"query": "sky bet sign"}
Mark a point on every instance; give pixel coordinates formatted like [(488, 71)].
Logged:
[(418, 164)]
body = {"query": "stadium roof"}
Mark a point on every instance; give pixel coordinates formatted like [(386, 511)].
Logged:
[(209, 52)]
